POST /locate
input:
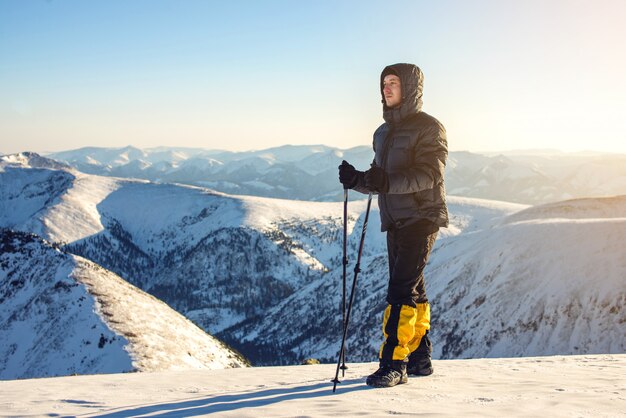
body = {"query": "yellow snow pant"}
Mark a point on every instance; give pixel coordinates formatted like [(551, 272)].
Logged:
[(403, 328)]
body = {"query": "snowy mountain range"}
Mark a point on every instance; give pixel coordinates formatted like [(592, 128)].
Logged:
[(264, 274), (310, 172), (62, 314)]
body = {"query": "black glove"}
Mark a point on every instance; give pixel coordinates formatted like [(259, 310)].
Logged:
[(348, 175), (377, 180)]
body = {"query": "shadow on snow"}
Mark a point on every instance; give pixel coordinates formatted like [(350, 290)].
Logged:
[(252, 399)]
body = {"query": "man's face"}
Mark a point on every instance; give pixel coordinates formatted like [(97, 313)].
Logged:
[(392, 90)]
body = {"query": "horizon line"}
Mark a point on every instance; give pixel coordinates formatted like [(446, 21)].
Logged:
[(222, 150)]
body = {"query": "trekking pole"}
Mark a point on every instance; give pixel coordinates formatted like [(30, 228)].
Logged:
[(357, 269), (345, 266)]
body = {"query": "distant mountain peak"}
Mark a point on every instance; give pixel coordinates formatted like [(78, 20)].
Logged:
[(29, 159)]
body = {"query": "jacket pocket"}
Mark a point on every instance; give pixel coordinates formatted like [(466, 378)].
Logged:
[(399, 153)]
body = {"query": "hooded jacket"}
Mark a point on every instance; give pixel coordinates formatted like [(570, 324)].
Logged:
[(411, 147)]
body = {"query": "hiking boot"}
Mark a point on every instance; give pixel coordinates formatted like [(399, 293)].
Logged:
[(419, 360), (388, 375), (419, 365)]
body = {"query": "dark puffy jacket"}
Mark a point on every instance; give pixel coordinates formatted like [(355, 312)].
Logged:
[(411, 147)]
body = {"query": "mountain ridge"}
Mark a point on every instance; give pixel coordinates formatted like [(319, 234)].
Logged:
[(62, 315), (308, 172)]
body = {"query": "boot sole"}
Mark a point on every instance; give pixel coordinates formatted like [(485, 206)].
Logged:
[(421, 373)]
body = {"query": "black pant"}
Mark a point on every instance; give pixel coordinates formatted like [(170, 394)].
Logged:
[(408, 249)]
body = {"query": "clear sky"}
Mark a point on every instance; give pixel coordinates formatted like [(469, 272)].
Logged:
[(241, 75)]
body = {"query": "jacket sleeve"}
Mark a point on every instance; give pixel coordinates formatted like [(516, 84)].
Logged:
[(360, 183), (428, 165)]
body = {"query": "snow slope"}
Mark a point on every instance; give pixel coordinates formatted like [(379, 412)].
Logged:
[(538, 281), (52, 201), (62, 315), (571, 386), (545, 280)]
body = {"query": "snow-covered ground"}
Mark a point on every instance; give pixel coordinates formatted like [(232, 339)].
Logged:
[(559, 386)]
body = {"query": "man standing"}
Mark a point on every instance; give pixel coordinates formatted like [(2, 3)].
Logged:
[(410, 151)]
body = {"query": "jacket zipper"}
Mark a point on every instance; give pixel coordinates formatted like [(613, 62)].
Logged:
[(383, 161)]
